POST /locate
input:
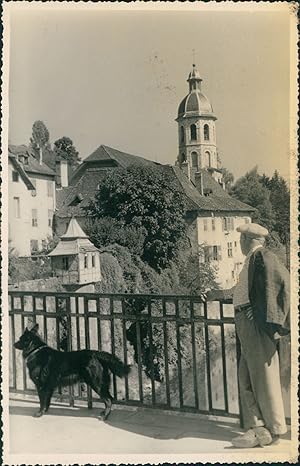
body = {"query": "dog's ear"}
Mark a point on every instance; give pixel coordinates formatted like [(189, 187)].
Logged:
[(35, 328)]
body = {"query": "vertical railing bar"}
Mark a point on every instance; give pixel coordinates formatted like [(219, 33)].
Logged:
[(113, 349), (166, 354), (22, 330), (13, 338), (224, 360), (87, 345), (238, 356), (179, 353), (45, 319), (99, 325), (33, 309), (193, 335), (207, 352), (125, 348), (57, 333), (139, 346), (151, 353), (69, 346), (77, 318)]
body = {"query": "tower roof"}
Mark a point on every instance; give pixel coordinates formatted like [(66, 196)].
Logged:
[(73, 241), (195, 103), (194, 74), (74, 230)]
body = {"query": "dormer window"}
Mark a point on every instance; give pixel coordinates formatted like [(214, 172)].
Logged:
[(77, 199), (23, 159)]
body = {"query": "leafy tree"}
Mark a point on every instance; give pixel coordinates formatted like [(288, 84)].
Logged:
[(107, 231), (249, 189), (40, 137), (280, 200), (227, 178), (64, 149), (148, 198)]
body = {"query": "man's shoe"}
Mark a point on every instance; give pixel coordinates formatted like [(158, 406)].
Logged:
[(264, 436), (275, 439), (246, 440)]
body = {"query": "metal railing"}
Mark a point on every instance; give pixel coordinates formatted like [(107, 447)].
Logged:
[(182, 349)]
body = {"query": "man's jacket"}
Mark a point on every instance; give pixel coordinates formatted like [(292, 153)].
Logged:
[(269, 291)]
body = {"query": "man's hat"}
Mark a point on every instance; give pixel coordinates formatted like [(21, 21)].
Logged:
[(253, 230)]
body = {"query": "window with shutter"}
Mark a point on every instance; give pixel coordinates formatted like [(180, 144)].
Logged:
[(215, 253), (219, 253), (34, 220), (33, 191)]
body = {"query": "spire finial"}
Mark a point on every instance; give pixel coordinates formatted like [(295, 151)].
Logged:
[(193, 52)]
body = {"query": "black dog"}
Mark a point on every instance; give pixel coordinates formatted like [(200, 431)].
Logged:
[(49, 368)]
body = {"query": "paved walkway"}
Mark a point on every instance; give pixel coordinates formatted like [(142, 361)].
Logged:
[(128, 431)]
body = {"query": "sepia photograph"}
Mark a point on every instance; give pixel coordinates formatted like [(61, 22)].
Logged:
[(149, 232)]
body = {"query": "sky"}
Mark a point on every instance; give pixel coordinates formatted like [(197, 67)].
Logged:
[(117, 77)]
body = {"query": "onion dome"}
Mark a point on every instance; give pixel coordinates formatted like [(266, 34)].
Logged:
[(195, 103)]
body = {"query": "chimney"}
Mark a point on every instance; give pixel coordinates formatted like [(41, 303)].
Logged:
[(199, 182), (64, 169), (41, 155), (185, 167)]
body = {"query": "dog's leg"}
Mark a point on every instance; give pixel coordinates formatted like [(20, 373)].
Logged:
[(45, 398), (41, 411), (105, 395), (48, 397), (108, 403)]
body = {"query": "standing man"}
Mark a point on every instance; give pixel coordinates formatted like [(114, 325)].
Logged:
[(261, 302)]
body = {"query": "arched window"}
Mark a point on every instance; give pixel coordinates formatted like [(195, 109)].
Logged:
[(194, 157), (182, 134), (193, 133), (208, 159), (206, 132)]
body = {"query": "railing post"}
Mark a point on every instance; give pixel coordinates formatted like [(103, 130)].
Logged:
[(87, 345), (238, 356), (69, 345)]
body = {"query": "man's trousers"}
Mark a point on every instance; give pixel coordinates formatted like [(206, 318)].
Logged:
[(259, 377)]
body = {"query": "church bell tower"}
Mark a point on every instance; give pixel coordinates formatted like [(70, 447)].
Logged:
[(197, 145)]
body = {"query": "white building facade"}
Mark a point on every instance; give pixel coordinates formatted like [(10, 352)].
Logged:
[(221, 243), (31, 192)]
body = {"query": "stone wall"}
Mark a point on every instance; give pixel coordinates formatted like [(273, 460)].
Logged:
[(42, 284)]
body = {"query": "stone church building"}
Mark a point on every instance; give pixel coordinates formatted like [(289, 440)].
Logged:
[(212, 214)]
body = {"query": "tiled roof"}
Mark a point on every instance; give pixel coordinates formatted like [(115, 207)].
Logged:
[(19, 168), (218, 200), (122, 158), (71, 247), (33, 165), (74, 230), (86, 186)]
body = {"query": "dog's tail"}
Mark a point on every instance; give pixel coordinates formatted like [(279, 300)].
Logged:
[(115, 365)]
